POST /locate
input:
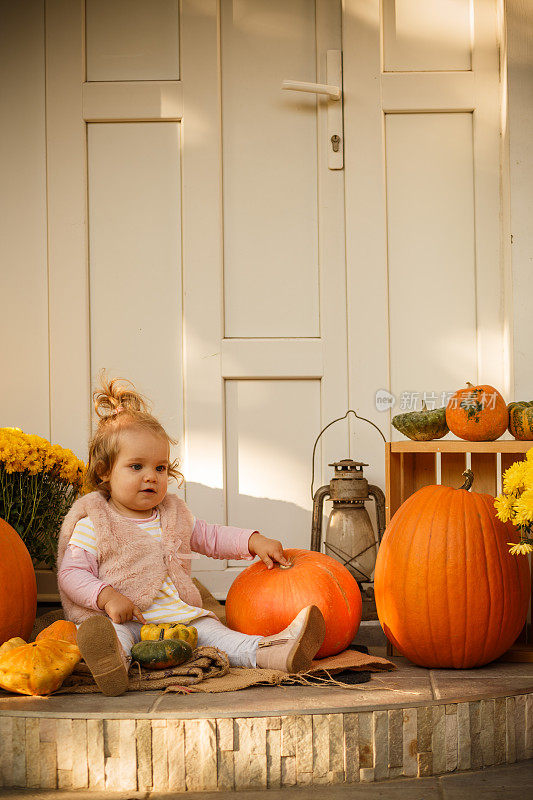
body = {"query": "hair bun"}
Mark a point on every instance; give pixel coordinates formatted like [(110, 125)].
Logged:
[(116, 396)]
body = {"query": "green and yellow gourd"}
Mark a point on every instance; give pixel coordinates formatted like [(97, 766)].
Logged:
[(422, 426), (163, 652), (521, 420), (169, 630)]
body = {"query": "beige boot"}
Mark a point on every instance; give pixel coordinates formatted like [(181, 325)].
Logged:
[(103, 654), (293, 649)]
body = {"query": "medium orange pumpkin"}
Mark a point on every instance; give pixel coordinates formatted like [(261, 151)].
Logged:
[(18, 590), (448, 592), (264, 601), (61, 630), (477, 413)]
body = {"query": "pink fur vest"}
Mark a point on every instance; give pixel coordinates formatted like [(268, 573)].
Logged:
[(129, 559)]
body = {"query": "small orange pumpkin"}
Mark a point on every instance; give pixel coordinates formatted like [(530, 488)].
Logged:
[(264, 601), (448, 592), (61, 630), (477, 413), (18, 590)]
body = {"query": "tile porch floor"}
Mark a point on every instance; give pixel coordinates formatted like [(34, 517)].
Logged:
[(408, 686)]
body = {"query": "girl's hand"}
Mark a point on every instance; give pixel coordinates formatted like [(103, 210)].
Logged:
[(118, 607), (268, 550)]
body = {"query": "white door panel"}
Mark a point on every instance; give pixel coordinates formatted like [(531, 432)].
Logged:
[(24, 321), (269, 163), (427, 35), (132, 40), (134, 243), (269, 426), (430, 227)]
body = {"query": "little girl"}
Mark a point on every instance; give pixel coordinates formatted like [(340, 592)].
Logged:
[(124, 553)]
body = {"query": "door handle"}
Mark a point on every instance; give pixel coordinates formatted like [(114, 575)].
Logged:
[(333, 92)]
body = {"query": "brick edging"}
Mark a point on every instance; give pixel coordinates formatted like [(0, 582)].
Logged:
[(263, 752)]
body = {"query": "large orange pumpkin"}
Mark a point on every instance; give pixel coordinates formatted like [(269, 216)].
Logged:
[(18, 591), (60, 630), (448, 592), (264, 601), (477, 413)]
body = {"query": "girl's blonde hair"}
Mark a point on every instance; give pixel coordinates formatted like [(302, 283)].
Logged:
[(119, 407)]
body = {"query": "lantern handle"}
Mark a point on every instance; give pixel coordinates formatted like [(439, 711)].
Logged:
[(350, 411)]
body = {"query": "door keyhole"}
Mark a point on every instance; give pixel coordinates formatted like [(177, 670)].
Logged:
[(335, 142)]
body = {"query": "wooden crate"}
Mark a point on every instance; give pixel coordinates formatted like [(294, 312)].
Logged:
[(411, 465)]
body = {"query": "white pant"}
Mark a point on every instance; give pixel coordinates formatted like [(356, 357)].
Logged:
[(240, 647)]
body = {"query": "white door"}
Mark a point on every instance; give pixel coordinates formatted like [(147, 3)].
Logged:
[(208, 265), (263, 266), (268, 293)]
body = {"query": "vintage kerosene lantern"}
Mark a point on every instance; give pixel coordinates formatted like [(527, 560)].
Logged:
[(350, 536)]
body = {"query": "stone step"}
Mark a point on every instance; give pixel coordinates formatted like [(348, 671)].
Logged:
[(370, 634)]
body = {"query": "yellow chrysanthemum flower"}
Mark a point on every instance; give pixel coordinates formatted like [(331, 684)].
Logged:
[(526, 498), (514, 478), (21, 452), (504, 507), (528, 474), (520, 549), (37, 498), (523, 509), (529, 454)]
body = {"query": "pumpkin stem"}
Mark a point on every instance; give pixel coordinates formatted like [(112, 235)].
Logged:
[(424, 407), (286, 566), (470, 385), (469, 479)]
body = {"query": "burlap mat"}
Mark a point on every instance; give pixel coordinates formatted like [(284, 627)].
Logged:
[(321, 673), (206, 662), (209, 671)]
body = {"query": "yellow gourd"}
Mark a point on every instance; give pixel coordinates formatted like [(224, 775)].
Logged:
[(11, 644), (170, 630), (38, 668)]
